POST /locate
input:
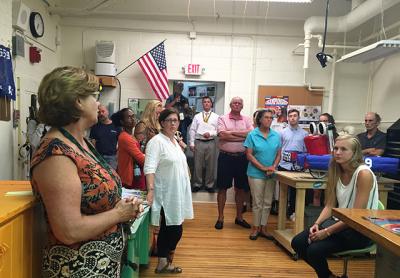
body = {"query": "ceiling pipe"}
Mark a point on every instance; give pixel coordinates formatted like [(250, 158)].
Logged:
[(356, 17), (348, 22), (82, 11)]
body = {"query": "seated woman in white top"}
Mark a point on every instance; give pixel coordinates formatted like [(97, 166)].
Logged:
[(351, 184)]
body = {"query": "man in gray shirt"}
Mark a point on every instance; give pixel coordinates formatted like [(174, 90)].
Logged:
[(373, 141)]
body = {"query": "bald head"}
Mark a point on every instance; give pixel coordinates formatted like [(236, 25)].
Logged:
[(372, 121), (236, 99), (236, 105)]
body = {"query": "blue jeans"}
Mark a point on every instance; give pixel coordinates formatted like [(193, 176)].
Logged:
[(112, 160)]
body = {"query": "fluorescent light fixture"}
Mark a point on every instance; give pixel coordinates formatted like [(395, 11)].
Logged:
[(372, 52)]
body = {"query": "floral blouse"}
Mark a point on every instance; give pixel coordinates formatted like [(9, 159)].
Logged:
[(101, 255)]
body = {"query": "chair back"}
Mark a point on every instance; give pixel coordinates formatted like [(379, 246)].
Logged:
[(380, 205)]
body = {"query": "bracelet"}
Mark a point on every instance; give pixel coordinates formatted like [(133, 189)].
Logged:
[(327, 231), (316, 223)]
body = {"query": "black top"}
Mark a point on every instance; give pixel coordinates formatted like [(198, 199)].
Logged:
[(378, 141), (106, 137)]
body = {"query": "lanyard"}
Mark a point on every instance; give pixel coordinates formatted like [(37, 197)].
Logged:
[(94, 155), (206, 117)]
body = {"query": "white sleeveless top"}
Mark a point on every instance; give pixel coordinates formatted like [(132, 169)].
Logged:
[(346, 194)]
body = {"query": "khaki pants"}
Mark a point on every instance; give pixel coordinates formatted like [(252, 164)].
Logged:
[(204, 158), (262, 191)]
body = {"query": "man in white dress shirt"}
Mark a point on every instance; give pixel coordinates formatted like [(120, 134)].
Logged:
[(202, 134)]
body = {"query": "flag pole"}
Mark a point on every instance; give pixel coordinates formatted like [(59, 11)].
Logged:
[(138, 59)]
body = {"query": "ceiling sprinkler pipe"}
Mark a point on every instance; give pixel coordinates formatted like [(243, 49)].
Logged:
[(346, 23), (307, 44)]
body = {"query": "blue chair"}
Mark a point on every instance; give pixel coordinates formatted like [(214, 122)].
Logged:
[(349, 254)]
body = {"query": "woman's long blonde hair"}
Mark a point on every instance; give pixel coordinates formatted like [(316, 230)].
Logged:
[(149, 117), (335, 169)]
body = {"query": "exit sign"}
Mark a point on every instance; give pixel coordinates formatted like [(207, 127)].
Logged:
[(193, 69)]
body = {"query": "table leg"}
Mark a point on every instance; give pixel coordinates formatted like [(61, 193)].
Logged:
[(300, 204), (283, 191)]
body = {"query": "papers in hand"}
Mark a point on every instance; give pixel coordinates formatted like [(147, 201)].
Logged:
[(204, 128), (19, 193), (126, 193)]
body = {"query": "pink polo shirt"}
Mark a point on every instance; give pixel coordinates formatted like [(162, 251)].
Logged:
[(229, 122)]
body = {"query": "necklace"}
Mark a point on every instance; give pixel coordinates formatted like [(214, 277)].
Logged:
[(206, 116), (94, 154)]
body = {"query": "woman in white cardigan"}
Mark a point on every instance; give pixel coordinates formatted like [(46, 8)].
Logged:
[(351, 184), (168, 186)]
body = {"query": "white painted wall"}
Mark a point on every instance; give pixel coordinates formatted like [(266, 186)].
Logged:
[(386, 90), (27, 78), (242, 54), (6, 135)]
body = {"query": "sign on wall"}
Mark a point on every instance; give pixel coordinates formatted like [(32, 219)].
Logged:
[(308, 114), (193, 69), (279, 105)]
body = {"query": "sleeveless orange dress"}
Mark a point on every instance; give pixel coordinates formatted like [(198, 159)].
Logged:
[(101, 255)]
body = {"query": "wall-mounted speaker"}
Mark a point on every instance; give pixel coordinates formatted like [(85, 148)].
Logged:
[(20, 15), (18, 45)]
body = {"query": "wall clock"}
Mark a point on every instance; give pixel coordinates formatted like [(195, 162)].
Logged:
[(36, 24)]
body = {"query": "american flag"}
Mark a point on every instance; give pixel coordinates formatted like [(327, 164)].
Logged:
[(154, 67)]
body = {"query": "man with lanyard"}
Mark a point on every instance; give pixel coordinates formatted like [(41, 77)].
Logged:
[(373, 141), (180, 103), (292, 138), (104, 136), (202, 144), (232, 162)]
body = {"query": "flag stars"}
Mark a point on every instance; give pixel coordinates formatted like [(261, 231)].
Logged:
[(158, 54)]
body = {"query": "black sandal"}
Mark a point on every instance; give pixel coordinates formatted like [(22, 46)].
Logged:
[(165, 269)]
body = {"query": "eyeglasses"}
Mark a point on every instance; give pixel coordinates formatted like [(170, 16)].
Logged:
[(172, 121), (96, 95)]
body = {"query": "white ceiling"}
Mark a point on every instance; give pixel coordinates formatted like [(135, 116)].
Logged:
[(198, 9), (206, 10)]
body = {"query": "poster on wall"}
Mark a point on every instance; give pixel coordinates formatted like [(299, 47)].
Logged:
[(308, 114), (279, 105)]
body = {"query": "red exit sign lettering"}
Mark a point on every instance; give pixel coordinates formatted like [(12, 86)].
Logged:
[(193, 69)]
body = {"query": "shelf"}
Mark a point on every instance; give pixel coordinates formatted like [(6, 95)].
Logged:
[(108, 81)]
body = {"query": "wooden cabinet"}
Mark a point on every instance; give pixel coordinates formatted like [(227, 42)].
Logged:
[(5, 250), (20, 252)]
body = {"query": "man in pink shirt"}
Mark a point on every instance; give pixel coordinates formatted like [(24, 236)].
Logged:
[(232, 162)]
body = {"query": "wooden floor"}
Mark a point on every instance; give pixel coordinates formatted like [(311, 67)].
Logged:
[(207, 252)]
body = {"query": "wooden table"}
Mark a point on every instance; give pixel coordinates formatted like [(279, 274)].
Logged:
[(302, 181), (388, 251)]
